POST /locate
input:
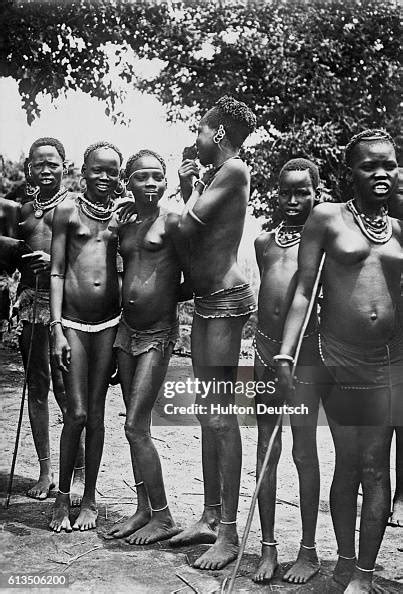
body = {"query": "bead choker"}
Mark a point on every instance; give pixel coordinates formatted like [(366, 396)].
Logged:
[(41, 206), (96, 210), (377, 228), (287, 235)]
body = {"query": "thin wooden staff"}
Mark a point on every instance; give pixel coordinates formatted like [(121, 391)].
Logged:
[(24, 389), (274, 434)]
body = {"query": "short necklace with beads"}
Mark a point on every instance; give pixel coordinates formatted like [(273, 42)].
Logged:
[(96, 210), (377, 228), (287, 235), (42, 206)]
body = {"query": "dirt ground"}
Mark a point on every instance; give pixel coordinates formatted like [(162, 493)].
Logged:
[(94, 564)]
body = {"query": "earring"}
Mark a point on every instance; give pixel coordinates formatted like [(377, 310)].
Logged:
[(120, 189), (219, 135), (31, 190), (83, 184)]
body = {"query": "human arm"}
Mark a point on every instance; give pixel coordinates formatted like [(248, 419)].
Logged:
[(310, 254), (260, 245), (206, 201), (187, 171), (182, 250), (60, 348)]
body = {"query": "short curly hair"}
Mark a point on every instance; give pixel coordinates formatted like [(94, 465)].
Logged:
[(47, 141), (235, 116), (139, 155), (301, 164), (370, 135), (102, 144)]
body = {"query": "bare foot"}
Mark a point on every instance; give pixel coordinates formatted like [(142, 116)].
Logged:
[(130, 525), (87, 518), (60, 514), (77, 488), (222, 552), (41, 489), (396, 518), (343, 571), (361, 583), (267, 565), (202, 532), (305, 567), (160, 527)]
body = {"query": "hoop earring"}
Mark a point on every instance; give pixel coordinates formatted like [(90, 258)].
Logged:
[(219, 135), (121, 187), (83, 186)]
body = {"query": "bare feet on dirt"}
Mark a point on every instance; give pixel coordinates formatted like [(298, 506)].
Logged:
[(223, 551), (60, 513), (305, 567), (42, 488), (267, 565), (396, 518), (343, 571), (87, 518), (361, 583), (202, 532), (160, 527), (77, 488), (130, 525)]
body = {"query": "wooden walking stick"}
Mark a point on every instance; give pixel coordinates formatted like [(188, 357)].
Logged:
[(273, 436), (24, 389)]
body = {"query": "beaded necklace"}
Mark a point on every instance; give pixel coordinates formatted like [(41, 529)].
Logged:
[(287, 235), (41, 206), (96, 210), (377, 228)]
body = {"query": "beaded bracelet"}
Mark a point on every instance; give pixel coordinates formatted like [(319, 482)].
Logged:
[(54, 322)]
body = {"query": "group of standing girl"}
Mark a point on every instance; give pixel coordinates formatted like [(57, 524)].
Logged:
[(352, 360)]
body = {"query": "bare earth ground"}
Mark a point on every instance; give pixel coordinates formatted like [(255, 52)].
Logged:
[(94, 564)]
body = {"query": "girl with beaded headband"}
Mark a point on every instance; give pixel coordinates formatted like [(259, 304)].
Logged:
[(151, 248), (360, 343), (213, 220), (85, 311), (277, 258), (45, 165)]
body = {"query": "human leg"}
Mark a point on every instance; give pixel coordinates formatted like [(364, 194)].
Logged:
[(75, 418), (374, 448), (267, 495), (38, 390), (127, 366), (221, 354), (305, 457), (396, 518), (150, 372), (77, 487), (100, 348), (205, 529)]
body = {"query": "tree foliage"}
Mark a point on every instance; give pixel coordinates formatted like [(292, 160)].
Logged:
[(315, 72)]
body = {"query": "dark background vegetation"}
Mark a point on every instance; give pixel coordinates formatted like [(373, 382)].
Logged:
[(314, 71)]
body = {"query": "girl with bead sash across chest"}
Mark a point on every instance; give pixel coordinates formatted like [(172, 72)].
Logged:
[(361, 345), (85, 311)]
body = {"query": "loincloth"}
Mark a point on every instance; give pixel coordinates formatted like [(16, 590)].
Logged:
[(26, 306), (308, 360), (136, 342), (90, 327), (355, 367), (367, 380), (226, 303)]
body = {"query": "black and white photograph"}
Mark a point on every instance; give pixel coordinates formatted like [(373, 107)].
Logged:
[(201, 296)]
